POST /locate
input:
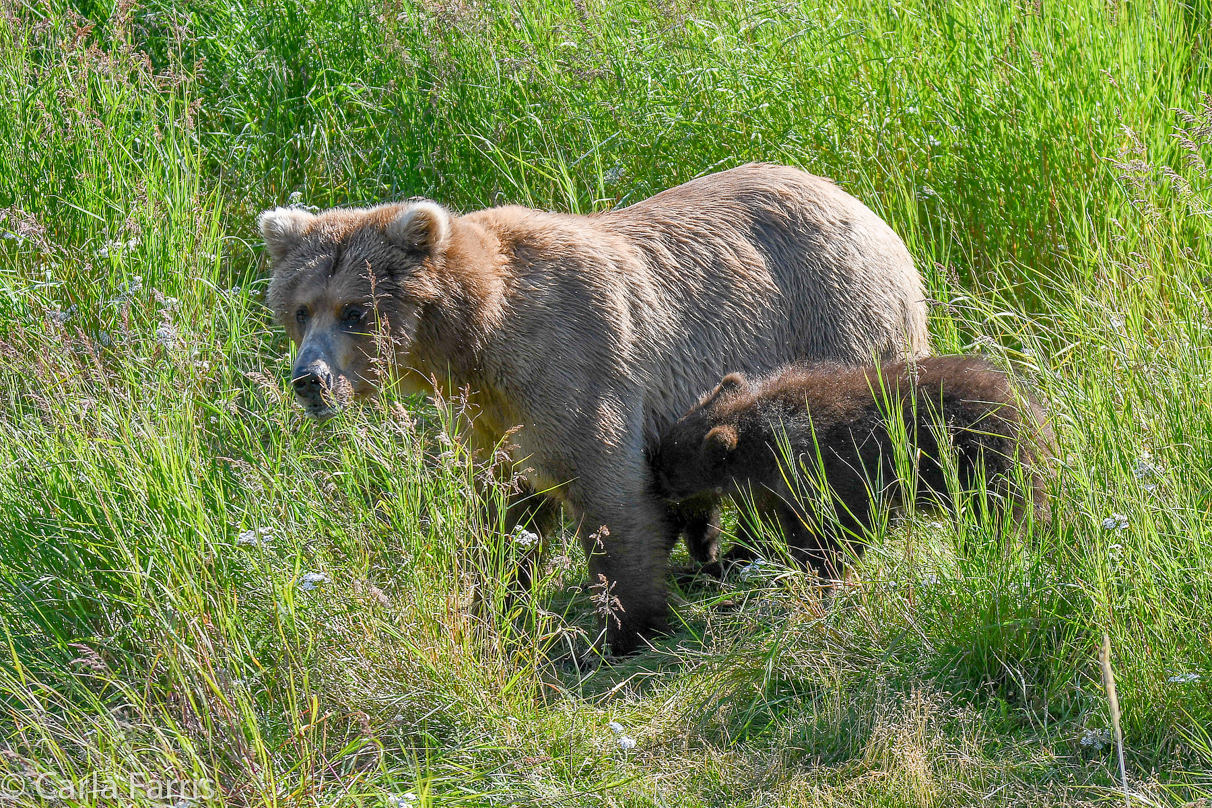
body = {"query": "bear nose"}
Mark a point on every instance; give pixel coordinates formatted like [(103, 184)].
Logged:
[(312, 381)]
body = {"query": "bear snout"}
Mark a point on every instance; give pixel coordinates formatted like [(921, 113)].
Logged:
[(314, 385)]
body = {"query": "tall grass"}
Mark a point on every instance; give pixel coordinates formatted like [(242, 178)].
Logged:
[(162, 503)]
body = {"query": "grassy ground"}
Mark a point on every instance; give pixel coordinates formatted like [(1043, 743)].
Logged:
[(162, 503)]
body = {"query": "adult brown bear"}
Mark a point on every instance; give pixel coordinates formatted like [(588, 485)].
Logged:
[(593, 333)]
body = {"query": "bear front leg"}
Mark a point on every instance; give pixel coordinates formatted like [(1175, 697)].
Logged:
[(627, 568)]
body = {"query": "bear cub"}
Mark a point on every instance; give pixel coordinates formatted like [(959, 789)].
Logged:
[(773, 442)]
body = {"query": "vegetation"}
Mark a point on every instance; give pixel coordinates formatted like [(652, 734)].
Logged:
[(204, 597)]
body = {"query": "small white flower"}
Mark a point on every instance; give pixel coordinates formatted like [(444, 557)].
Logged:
[(401, 800), (912, 110), (296, 201), (257, 536), (524, 538), (1146, 471), (1116, 521), (616, 727), (116, 246), (753, 569), (613, 174), (1096, 738), (62, 317), (626, 742), (933, 141), (166, 335), (1184, 678), (311, 580)]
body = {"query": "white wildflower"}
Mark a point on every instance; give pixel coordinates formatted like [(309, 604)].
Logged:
[(626, 742), (1116, 521), (524, 538), (311, 580), (115, 247), (933, 141), (296, 201), (401, 800), (616, 727), (1184, 678), (613, 174), (257, 536), (128, 291), (752, 569), (1097, 739), (61, 317), (167, 335), (1146, 471)]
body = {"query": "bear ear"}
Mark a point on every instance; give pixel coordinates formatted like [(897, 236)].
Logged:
[(733, 381), (420, 227), (283, 229), (720, 442)]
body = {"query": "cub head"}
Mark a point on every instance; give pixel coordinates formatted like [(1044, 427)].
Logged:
[(693, 456), (350, 286)]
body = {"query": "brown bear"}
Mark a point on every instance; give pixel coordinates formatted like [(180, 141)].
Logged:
[(592, 333), (774, 440)]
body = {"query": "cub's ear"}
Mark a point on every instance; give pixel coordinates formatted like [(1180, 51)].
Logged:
[(720, 442), (282, 229), (733, 381), (420, 227)]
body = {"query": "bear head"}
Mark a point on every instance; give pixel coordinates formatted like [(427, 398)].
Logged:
[(692, 457), (350, 287)]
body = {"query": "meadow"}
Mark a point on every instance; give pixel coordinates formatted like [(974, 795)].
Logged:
[(208, 600)]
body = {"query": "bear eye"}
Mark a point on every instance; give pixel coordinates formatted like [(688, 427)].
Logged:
[(352, 315), (301, 315)]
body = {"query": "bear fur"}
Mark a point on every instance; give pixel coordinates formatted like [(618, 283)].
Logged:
[(592, 333), (841, 426)]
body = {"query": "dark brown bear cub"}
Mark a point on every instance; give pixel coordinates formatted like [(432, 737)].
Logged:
[(772, 440)]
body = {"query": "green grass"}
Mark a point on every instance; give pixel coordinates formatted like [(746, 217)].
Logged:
[(1030, 155)]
